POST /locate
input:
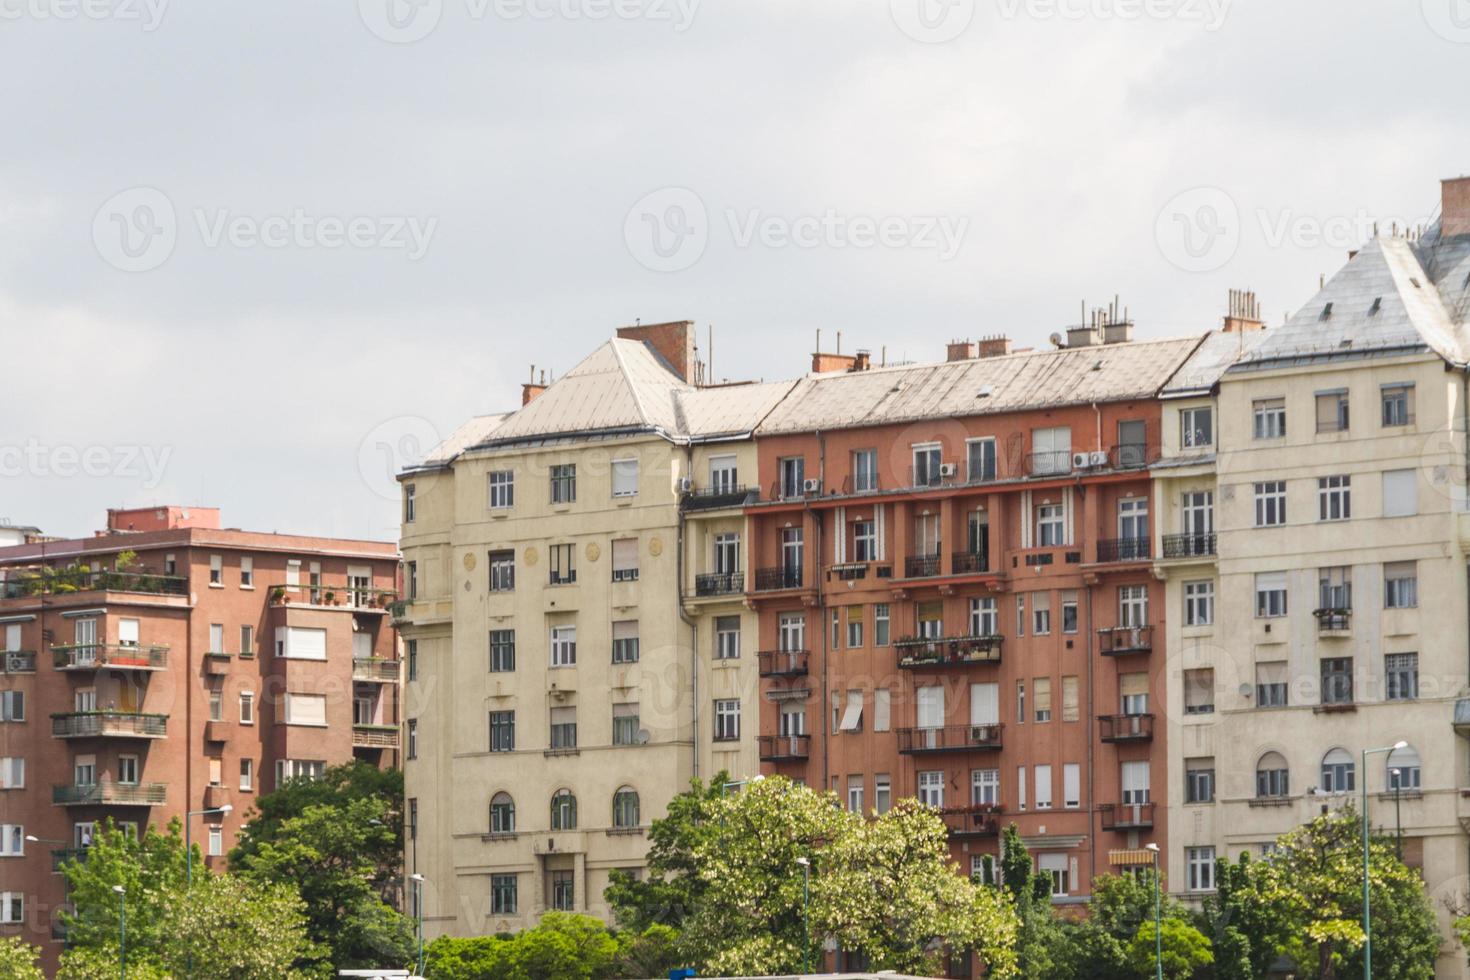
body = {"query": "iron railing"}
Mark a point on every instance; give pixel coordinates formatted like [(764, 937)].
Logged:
[(921, 566), (777, 748), (1126, 728), (719, 583), (1126, 816), (951, 738), (783, 663), (956, 651), (1189, 545), (121, 794), (981, 820), (1123, 549), (374, 736), (1333, 620), (1116, 641), (375, 669), (118, 724), (93, 656), (969, 563), (775, 579), (51, 581)]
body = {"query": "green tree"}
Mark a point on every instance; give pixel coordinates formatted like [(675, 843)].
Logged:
[(672, 886), (650, 953), (231, 928), (1245, 936), (150, 869), (1186, 950), (1040, 938), (18, 959), (338, 786), (473, 958), (93, 963)]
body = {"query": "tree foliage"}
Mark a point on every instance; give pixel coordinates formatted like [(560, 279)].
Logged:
[(564, 946), (234, 929), (18, 959), (1186, 951), (671, 888), (1039, 936), (151, 871)]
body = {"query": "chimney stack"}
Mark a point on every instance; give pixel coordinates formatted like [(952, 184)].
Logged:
[(673, 341), (1454, 209), (533, 388), (1244, 314), (961, 350), (862, 361), (997, 346)]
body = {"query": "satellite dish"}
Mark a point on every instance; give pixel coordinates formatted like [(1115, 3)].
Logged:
[(1056, 340), (643, 736), (1245, 690)]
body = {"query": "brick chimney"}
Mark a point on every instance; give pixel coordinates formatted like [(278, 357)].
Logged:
[(824, 363), (862, 361), (166, 518), (1244, 314), (533, 388), (997, 346), (674, 342), (1455, 206), (961, 350)]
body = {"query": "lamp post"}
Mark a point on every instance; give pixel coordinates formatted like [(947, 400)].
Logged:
[(189, 839), (418, 908), (725, 787), (806, 920), (122, 931), (1158, 916), (1367, 911), (1397, 776)]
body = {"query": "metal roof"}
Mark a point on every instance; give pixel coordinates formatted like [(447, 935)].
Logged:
[(1210, 360), (476, 430)]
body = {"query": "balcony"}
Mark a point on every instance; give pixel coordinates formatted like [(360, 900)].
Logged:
[(938, 475), (952, 738), (853, 571), (217, 663), (1337, 621), (109, 794), (1119, 641), (216, 796), (783, 663), (1126, 728), (781, 748), (216, 731), (375, 670), (18, 662), (716, 498), (972, 821), (108, 724), (960, 651), (98, 656), (26, 582), (1131, 456), (719, 583), (374, 736), (334, 596), (1126, 816), (969, 563), (1189, 545), (921, 566), (776, 579), (1049, 463), (1123, 549), (60, 856)]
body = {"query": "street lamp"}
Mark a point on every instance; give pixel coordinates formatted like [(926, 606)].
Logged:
[(725, 787), (1367, 913), (418, 903), (1397, 776), (189, 839), (1158, 917), (806, 921), (122, 931)]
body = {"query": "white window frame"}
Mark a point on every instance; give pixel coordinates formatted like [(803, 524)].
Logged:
[(1199, 603), (501, 489), (564, 646), (1189, 432)]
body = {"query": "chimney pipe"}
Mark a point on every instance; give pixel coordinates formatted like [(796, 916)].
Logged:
[(1454, 212)]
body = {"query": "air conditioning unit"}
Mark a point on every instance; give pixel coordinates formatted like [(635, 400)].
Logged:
[(1081, 461), (979, 733), (1099, 458), (686, 485), (948, 469), (811, 486)]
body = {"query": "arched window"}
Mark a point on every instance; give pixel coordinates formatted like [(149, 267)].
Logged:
[(1403, 770), (502, 814), (1272, 776), (1338, 772), (564, 811), (625, 807)]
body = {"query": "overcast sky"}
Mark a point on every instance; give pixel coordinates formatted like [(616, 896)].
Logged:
[(251, 254)]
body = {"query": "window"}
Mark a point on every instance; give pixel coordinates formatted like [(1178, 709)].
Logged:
[(84, 770), (929, 707), (1337, 680), (502, 651), (502, 571), (306, 709), (216, 771), (1020, 787), (1197, 508), (854, 627), (1271, 684), (1270, 503), (882, 793), (1398, 404), (12, 908), (727, 637), (864, 541), (247, 572), (1135, 780), (1021, 615), (247, 641), (864, 470), (1339, 775), (1270, 595), (1043, 787), (562, 890), (502, 731), (791, 632), (289, 769), (1332, 411), (564, 483), (880, 625), (791, 556), (1400, 585), (12, 706), (216, 705), (927, 464), (1070, 709), (502, 814), (625, 808), (1069, 611), (411, 818), (216, 841), (855, 794), (216, 637), (502, 489), (1334, 498), (563, 646), (793, 475), (1042, 699), (1020, 702), (412, 749), (502, 894), (980, 460), (1403, 770), (727, 720), (984, 619), (1401, 674), (984, 787), (1132, 606), (1400, 493), (836, 635), (727, 554), (625, 478), (408, 503), (1199, 691), (1050, 526), (931, 788), (1058, 868), (927, 540), (216, 570), (1269, 417), (1133, 692), (411, 648), (1199, 780), (625, 724), (563, 564), (1051, 451), (13, 772), (625, 641), (1071, 785), (1133, 526), (1040, 613), (563, 728), (882, 709), (1196, 427), (1201, 864), (724, 477), (1199, 603), (1272, 777), (564, 811), (411, 575), (247, 775), (1335, 588), (929, 616)]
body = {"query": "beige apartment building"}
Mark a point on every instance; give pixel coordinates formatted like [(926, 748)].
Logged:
[(1340, 516), (575, 625)]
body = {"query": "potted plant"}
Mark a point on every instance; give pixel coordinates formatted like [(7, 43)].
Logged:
[(278, 594), (331, 597)]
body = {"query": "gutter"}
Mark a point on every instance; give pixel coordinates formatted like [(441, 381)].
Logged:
[(693, 627)]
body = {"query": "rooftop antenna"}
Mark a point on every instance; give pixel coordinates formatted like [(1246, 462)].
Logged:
[(839, 341)]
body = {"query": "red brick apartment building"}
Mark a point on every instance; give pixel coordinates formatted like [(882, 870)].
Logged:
[(952, 574), (168, 665)]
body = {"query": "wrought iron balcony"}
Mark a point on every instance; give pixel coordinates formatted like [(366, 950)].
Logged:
[(969, 563), (18, 662), (1119, 641), (1189, 545), (958, 651), (921, 566), (951, 738), (719, 583), (1334, 620), (779, 748), (982, 820), (1053, 463), (776, 579), (1126, 728), (62, 855), (1126, 816), (54, 581), (96, 656), (1123, 549), (375, 669), (109, 793), (1131, 456), (374, 736), (783, 663), (108, 724), (716, 497)]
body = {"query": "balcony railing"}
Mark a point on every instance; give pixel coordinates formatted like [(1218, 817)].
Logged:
[(969, 563), (982, 820), (120, 794), (1126, 728), (868, 483), (921, 566), (1131, 456), (956, 651), (783, 663), (1126, 816), (108, 724), (18, 662), (60, 856), (951, 738), (48, 581), (776, 579), (374, 736), (980, 471), (719, 583), (1052, 463), (375, 669), (778, 748), (1333, 620), (1123, 549), (939, 475), (94, 656), (716, 497), (1117, 641), (1189, 545)]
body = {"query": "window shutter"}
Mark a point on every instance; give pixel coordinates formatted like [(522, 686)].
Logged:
[(1043, 693), (306, 709), (1071, 783), (626, 629), (1132, 684), (625, 553), (984, 704), (881, 709), (1069, 699), (1273, 672), (931, 707)]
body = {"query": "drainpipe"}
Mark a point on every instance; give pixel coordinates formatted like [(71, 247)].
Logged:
[(693, 627), (1092, 832), (821, 607), (1465, 435)]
